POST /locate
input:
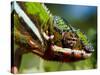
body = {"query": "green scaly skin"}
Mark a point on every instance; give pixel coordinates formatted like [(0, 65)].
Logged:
[(43, 20)]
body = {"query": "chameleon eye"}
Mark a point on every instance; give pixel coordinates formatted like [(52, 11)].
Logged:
[(74, 39)]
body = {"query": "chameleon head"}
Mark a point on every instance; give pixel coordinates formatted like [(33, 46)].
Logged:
[(74, 42)]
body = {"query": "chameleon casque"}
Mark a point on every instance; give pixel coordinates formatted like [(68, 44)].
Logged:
[(32, 28)]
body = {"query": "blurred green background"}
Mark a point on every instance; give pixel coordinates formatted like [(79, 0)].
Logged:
[(80, 17)]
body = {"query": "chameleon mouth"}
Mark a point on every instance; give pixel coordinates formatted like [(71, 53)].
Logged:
[(70, 52)]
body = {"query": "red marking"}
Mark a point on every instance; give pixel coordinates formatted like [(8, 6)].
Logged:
[(77, 55), (68, 57), (66, 53)]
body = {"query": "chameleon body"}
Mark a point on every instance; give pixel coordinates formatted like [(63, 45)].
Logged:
[(27, 41)]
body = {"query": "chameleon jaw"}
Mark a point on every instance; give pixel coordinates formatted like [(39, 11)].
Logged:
[(69, 52)]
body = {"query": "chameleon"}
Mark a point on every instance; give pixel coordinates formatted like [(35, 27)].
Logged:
[(30, 20)]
